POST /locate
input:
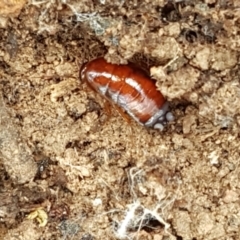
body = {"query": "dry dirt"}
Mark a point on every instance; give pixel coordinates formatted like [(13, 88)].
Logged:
[(69, 170)]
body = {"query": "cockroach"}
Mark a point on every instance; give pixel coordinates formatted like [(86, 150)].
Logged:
[(130, 88)]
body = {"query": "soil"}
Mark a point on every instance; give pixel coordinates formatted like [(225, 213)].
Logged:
[(69, 169)]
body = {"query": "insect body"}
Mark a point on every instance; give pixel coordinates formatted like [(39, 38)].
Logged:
[(130, 88)]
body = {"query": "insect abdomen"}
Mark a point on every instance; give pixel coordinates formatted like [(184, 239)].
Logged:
[(130, 88)]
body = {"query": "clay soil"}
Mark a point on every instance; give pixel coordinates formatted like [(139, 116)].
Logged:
[(70, 168)]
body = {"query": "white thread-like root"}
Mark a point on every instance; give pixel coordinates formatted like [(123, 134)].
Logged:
[(132, 220), (135, 220)]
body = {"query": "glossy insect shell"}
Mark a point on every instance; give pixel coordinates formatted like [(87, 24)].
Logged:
[(130, 88)]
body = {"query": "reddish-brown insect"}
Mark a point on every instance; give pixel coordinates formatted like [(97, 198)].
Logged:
[(130, 88)]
